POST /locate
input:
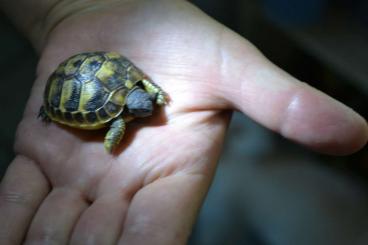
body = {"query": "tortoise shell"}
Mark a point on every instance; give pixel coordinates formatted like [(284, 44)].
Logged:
[(89, 89)]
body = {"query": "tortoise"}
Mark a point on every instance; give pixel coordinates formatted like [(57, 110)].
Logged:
[(93, 90)]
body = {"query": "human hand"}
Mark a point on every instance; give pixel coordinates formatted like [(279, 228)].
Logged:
[(63, 187)]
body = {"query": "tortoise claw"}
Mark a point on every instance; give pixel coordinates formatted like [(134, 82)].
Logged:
[(162, 98)]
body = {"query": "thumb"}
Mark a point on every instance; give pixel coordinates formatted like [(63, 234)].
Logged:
[(252, 84)]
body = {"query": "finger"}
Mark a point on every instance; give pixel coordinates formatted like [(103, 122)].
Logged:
[(22, 190), (280, 102), (102, 222), (163, 212), (56, 217)]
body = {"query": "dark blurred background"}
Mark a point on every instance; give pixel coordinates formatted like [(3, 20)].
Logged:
[(267, 191)]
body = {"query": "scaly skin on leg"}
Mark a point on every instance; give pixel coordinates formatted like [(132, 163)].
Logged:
[(115, 134), (154, 90)]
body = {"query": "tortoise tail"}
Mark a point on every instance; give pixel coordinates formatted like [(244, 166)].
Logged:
[(43, 115)]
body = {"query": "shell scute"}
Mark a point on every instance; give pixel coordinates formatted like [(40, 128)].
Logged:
[(111, 75), (71, 66), (90, 66), (70, 95), (93, 96)]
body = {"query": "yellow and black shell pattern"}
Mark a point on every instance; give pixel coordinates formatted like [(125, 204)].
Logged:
[(88, 89)]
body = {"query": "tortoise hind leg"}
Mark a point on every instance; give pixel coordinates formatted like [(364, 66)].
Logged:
[(43, 115), (161, 98), (115, 134)]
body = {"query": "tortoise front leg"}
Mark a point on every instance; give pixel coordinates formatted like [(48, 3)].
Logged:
[(115, 134), (156, 92)]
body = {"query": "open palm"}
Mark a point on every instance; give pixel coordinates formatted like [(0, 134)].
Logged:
[(149, 192)]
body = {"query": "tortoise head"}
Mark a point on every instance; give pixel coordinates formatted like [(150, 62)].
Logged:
[(139, 103)]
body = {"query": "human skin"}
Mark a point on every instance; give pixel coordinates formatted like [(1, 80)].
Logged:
[(62, 187)]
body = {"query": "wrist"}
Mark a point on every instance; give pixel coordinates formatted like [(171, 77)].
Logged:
[(37, 19), (27, 15)]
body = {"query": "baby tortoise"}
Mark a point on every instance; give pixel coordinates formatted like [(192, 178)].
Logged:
[(99, 89)]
